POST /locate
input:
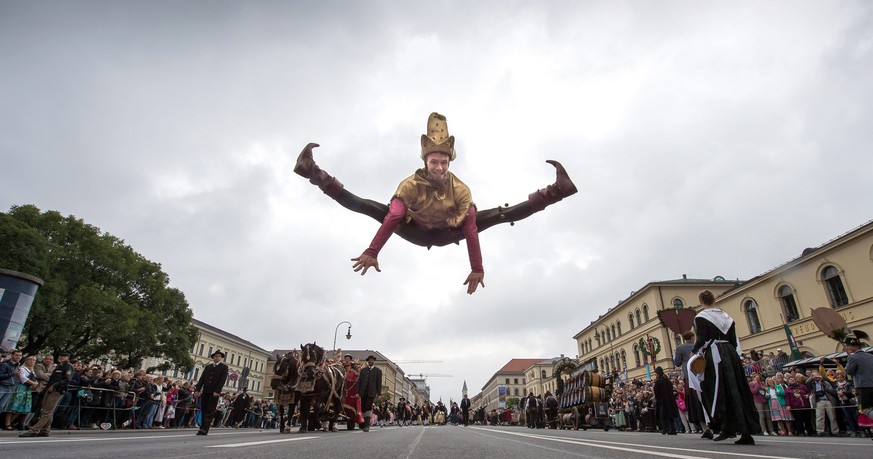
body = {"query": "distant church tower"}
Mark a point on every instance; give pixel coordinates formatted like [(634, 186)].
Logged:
[(464, 390)]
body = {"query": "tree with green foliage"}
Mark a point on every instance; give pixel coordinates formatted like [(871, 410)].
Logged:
[(101, 299)]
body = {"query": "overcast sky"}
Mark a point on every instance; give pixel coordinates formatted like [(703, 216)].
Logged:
[(706, 138)]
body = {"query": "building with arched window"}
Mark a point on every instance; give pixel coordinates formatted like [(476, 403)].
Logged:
[(836, 275), (612, 346), (540, 377), (247, 363)]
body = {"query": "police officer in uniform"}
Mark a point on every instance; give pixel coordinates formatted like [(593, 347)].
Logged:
[(54, 391)]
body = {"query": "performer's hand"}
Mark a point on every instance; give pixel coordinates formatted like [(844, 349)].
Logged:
[(473, 281), (365, 262)]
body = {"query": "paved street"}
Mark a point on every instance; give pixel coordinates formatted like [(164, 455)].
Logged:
[(417, 442)]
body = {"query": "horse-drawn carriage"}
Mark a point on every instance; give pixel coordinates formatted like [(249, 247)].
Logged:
[(314, 385), (584, 403)]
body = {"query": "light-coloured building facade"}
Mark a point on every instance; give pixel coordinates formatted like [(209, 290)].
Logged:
[(512, 377), (540, 377), (613, 341), (836, 275), (241, 354)]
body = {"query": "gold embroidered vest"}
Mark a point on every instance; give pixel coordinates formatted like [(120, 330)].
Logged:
[(430, 208)]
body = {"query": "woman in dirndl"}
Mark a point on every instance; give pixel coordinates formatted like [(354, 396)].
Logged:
[(779, 411), (22, 400)]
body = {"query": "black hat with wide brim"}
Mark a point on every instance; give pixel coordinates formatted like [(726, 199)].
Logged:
[(218, 351)]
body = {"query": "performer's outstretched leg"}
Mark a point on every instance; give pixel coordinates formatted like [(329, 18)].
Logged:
[(332, 187), (536, 201)]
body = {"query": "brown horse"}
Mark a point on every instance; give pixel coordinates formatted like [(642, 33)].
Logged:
[(320, 387), (284, 379)]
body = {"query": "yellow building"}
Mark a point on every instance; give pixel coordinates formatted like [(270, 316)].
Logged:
[(540, 377), (241, 355), (837, 275), (511, 377), (612, 342)]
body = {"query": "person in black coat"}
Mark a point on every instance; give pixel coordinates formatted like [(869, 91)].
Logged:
[(240, 405), (211, 382), (665, 403), (369, 387), (725, 390), (465, 410)]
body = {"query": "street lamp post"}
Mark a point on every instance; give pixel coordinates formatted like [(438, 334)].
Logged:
[(348, 333)]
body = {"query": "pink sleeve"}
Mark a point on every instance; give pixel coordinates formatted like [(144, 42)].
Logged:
[(396, 212), (471, 234)]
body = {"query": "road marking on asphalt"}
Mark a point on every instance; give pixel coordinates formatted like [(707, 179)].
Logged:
[(40, 440), (254, 443), (415, 443), (611, 445)]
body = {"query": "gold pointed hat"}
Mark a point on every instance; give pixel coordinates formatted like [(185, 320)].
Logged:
[(437, 137)]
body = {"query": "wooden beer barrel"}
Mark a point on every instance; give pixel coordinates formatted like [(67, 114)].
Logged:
[(593, 394), (590, 378)]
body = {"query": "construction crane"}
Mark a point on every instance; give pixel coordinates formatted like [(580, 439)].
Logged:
[(429, 375)]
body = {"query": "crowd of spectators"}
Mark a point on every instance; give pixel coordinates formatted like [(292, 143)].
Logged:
[(790, 401), (95, 397)]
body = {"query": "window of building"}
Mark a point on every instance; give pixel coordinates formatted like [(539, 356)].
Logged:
[(613, 331), (750, 309), (602, 365), (789, 305), (507, 381), (646, 312), (210, 351), (639, 322), (597, 337), (677, 303), (196, 373), (630, 318), (637, 355), (543, 374), (834, 284), (608, 335), (201, 349), (623, 359), (516, 392), (515, 381), (232, 356), (618, 326)]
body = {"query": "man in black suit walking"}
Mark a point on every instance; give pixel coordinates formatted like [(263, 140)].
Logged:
[(465, 410), (369, 387), (211, 382)]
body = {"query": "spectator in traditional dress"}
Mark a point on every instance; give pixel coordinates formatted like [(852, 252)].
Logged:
[(22, 400)]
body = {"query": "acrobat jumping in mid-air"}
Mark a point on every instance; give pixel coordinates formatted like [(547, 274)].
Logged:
[(432, 207)]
